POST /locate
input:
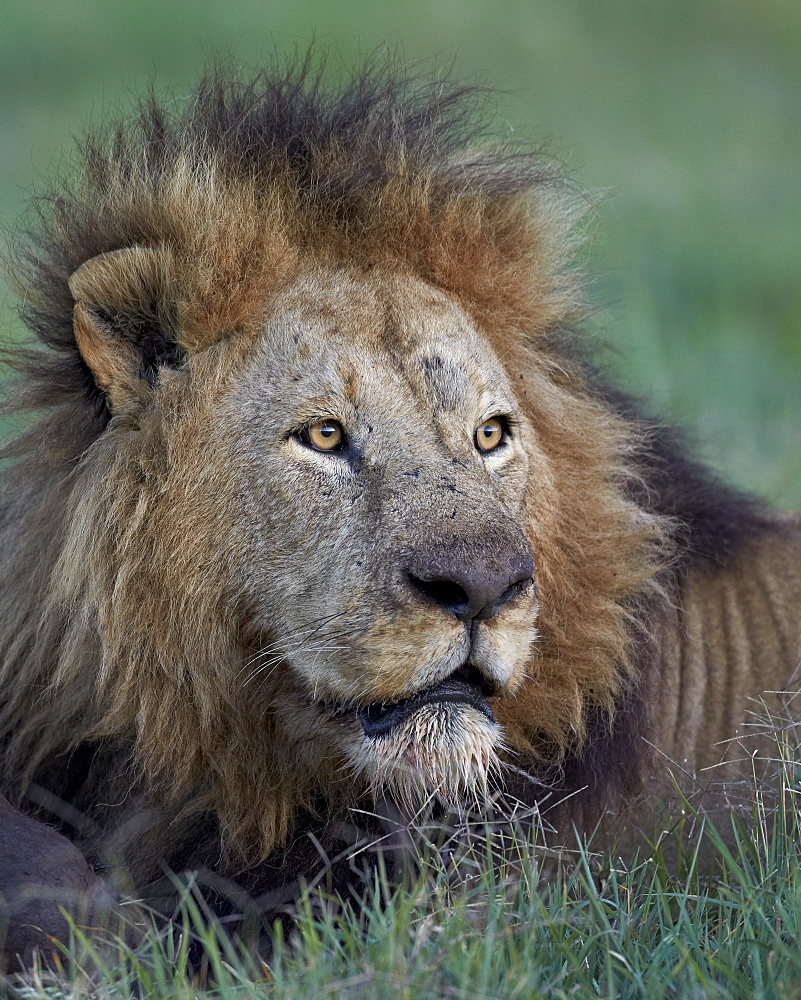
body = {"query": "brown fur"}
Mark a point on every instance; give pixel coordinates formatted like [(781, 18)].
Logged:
[(189, 589)]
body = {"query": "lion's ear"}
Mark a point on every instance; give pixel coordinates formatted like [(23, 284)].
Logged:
[(124, 320)]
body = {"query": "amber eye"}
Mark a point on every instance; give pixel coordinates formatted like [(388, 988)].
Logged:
[(489, 435), (324, 435)]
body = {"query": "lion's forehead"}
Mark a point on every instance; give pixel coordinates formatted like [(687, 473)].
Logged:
[(362, 340)]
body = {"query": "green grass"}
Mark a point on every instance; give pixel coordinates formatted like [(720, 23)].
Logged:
[(495, 928), (709, 907)]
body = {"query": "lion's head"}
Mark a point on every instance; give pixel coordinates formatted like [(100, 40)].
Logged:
[(328, 515)]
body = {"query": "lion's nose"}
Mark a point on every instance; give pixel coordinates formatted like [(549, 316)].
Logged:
[(472, 590)]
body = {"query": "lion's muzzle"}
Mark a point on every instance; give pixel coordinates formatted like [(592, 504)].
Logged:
[(465, 686)]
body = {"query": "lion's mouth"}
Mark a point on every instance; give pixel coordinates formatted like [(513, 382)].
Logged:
[(464, 686)]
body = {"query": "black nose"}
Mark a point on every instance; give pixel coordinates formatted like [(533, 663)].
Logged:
[(472, 589)]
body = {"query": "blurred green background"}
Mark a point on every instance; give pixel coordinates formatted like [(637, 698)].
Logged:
[(685, 114)]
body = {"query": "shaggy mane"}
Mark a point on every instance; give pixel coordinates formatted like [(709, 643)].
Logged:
[(240, 189)]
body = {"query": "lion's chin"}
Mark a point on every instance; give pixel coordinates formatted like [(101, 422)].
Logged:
[(442, 751)]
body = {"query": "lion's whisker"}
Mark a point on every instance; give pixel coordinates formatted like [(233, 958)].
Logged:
[(274, 661), (318, 623)]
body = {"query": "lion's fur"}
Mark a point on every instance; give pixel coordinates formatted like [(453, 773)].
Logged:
[(263, 203)]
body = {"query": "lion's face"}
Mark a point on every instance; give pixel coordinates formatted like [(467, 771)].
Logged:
[(312, 540), (386, 581)]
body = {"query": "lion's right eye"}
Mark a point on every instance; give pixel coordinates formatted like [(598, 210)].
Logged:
[(323, 435), (490, 435)]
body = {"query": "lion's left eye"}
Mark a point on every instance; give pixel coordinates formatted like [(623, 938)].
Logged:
[(489, 435)]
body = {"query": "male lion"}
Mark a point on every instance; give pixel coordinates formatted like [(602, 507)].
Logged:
[(323, 505)]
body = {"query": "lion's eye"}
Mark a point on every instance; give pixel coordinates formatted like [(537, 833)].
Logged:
[(489, 435), (324, 435)]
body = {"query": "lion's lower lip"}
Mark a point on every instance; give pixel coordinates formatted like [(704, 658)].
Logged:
[(462, 687)]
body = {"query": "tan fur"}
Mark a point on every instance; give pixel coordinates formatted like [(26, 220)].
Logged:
[(210, 593), (735, 673)]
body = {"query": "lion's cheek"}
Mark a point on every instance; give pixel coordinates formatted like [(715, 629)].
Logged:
[(409, 655), (383, 658)]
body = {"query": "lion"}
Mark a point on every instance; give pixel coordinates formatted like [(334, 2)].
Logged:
[(325, 504)]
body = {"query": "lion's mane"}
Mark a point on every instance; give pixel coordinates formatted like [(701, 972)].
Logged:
[(234, 188)]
